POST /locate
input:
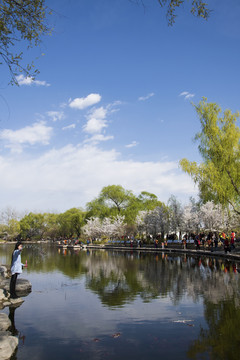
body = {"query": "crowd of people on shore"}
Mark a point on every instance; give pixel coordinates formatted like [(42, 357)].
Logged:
[(213, 240)]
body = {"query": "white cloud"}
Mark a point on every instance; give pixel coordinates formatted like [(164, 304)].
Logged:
[(116, 103), (94, 125), (99, 113), (82, 103), (96, 121), (95, 139), (29, 135), (187, 95), (133, 144), (73, 175), (56, 115), (72, 126), (143, 98), (22, 80)]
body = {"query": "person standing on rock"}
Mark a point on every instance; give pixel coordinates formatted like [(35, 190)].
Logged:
[(16, 268)]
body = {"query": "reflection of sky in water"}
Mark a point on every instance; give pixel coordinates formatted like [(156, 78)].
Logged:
[(78, 312), (61, 312), (63, 318)]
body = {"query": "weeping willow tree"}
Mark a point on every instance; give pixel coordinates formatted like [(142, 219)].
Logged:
[(218, 176), (22, 24), (198, 8)]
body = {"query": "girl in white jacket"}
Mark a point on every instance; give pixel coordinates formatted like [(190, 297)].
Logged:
[(16, 268)]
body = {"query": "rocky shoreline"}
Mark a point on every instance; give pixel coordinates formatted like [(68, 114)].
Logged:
[(9, 342)]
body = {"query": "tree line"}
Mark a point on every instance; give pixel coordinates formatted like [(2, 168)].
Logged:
[(113, 203), (118, 213)]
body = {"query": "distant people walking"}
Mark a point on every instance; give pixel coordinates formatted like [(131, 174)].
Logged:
[(16, 268), (232, 240), (226, 245), (197, 242), (223, 236), (215, 239), (184, 243)]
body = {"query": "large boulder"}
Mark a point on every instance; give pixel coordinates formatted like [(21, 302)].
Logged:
[(3, 295), (23, 286), (4, 298), (8, 345), (14, 302), (5, 322), (4, 271)]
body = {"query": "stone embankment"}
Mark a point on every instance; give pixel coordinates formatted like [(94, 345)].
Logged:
[(173, 248), (8, 342)]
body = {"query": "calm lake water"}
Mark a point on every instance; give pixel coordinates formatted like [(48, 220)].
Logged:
[(122, 305)]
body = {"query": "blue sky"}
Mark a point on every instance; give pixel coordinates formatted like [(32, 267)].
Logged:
[(112, 102)]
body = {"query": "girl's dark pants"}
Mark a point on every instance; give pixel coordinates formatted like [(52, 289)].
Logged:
[(13, 285)]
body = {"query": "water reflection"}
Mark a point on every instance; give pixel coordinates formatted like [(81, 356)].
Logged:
[(119, 277), (221, 340), (106, 304), (13, 328)]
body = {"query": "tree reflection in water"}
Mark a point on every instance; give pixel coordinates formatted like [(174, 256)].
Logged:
[(222, 339), (120, 278), (129, 275)]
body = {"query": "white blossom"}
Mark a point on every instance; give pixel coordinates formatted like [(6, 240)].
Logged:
[(108, 227)]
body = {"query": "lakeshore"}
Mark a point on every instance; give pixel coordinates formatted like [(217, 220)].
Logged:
[(171, 248)]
